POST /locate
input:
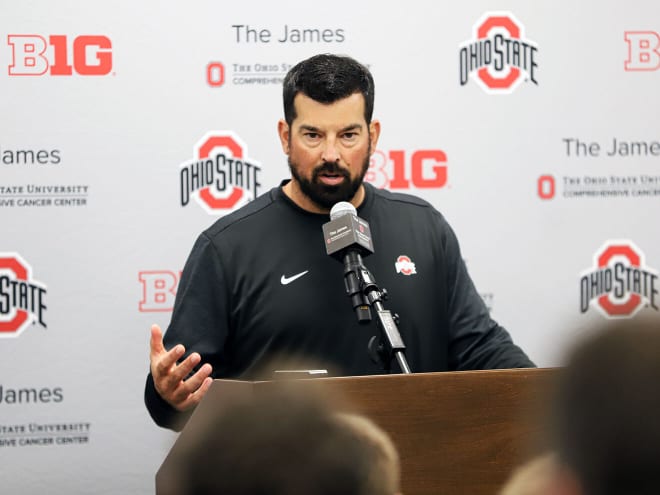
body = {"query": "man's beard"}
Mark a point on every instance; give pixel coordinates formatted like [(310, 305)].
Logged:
[(324, 195)]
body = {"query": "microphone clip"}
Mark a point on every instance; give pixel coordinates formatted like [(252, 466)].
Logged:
[(365, 294)]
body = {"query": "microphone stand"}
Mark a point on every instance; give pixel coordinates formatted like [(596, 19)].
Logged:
[(364, 293)]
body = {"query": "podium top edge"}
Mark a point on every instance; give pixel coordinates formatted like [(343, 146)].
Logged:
[(494, 373)]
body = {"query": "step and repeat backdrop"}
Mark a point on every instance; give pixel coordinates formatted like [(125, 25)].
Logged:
[(532, 126)]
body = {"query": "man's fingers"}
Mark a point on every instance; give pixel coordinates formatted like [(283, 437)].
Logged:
[(193, 383), (156, 343), (190, 391), (170, 377), (166, 363), (175, 379), (196, 397), (160, 358)]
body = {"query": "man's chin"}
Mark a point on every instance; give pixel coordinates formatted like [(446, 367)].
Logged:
[(328, 196)]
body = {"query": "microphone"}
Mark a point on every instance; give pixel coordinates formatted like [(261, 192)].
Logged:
[(346, 231), (347, 239)]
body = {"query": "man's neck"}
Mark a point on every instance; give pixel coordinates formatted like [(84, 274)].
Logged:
[(295, 194)]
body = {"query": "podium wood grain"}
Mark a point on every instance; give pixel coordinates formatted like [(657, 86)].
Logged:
[(458, 433)]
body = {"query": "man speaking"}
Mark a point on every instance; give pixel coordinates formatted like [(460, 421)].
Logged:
[(259, 284)]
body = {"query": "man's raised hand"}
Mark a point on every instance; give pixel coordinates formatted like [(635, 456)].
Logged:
[(170, 377)]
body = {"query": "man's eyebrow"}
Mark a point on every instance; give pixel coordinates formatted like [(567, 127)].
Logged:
[(311, 128), (352, 127)]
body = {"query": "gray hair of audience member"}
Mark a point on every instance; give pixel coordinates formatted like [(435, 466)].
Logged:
[(608, 409), (287, 443), (535, 477), (384, 473)]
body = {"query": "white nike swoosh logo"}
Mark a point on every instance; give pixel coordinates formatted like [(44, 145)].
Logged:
[(287, 280)]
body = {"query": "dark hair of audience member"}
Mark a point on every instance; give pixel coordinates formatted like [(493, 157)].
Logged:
[(607, 415)]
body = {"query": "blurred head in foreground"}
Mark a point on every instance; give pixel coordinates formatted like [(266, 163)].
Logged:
[(535, 477), (290, 443), (608, 412)]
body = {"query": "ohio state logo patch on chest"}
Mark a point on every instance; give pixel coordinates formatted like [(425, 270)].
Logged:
[(405, 265)]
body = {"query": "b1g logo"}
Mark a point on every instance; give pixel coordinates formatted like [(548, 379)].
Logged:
[(158, 290), (221, 178), (643, 50), (620, 283), (425, 169), (22, 299), (499, 57), (58, 55)]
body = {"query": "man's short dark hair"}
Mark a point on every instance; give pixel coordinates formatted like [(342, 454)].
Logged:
[(608, 410), (327, 78)]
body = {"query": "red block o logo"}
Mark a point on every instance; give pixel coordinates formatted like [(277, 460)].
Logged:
[(484, 74), (21, 317), (634, 300), (205, 193)]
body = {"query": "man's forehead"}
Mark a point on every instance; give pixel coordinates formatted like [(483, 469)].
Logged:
[(345, 111)]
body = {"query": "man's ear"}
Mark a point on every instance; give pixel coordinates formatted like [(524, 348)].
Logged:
[(284, 133), (374, 132)]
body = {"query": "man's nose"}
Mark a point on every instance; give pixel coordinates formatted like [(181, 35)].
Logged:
[(330, 151)]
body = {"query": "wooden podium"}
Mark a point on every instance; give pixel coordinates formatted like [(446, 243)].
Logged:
[(457, 432)]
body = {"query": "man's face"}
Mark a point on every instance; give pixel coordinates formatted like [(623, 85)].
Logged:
[(328, 147)]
